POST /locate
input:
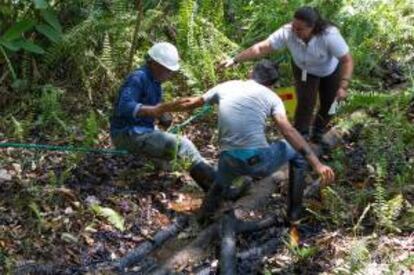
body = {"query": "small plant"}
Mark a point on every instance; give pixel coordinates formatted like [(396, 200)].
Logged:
[(38, 214), (386, 211), (50, 109), (299, 252), (358, 256), (19, 129), (177, 163), (58, 180), (91, 130), (336, 207)]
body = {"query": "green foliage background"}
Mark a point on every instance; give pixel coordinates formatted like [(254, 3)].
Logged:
[(61, 63)]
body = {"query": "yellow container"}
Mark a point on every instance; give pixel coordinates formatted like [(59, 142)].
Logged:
[(288, 96)]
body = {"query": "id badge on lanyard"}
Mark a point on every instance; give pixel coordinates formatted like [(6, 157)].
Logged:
[(304, 75)]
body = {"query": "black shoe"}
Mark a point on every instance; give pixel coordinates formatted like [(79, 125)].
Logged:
[(295, 194), (210, 204), (203, 174)]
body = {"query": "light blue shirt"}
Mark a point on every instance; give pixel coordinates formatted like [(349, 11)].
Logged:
[(318, 57)]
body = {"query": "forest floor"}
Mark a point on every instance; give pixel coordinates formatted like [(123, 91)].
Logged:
[(48, 214)]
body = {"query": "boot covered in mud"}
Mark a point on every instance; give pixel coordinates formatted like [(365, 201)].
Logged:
[(210, 204), (203, 174), (295, 194)]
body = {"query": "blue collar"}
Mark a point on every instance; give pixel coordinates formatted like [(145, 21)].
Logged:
[(150, 75)]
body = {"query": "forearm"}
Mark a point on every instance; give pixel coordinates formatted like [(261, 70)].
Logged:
[(183, 104), (257, 50), (148, 110), (301, 146), (347, 68), (180, 105)]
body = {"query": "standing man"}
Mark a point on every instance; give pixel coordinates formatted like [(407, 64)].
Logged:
[(243, 107), (321, 63), (136, 109)]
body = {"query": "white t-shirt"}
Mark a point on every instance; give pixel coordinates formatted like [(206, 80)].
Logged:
[(319, 56), (244, 107)]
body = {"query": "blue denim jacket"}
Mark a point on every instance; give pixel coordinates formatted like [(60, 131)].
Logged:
[(140, 88)]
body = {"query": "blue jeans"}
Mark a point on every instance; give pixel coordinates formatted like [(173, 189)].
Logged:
[(257, 163)]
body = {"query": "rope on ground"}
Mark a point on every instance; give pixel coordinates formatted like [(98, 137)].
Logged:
[(206, 109), (70, 148)]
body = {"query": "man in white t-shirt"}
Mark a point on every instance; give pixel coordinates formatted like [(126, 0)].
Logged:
[(243, 107)]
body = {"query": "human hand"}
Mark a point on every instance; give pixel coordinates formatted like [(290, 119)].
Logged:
[(341, 94), (230, 62), (188, 102), (326, 173)]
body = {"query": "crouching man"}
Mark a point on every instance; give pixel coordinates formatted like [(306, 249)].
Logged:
[(137, 108), (243, 107)]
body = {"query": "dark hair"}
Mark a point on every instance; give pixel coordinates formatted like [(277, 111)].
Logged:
[(266, 72), (313, 19)]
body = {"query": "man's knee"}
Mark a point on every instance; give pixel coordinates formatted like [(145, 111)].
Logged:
[(186, 142)]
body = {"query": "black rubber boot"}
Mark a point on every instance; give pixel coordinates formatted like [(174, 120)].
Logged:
[(210, 204), (203, 174), (295, 194), (305, 134), (317, 135), (233, 193)]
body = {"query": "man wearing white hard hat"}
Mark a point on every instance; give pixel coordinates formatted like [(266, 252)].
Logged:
[(135, 113)]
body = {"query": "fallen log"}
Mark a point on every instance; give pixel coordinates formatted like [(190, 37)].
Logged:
[(192, 252), (258, 252), (228, 244), (248, 259), (196, 250), (252, 226), (148, 246)]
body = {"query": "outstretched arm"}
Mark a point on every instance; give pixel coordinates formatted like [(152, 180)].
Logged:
[(179, 105), (257, 50), (302, 147)]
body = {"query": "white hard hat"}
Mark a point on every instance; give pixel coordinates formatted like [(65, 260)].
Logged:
[(165, 54)]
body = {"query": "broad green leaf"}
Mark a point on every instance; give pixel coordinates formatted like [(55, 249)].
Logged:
[(49, 32), (40, 4), (113, 217), (29, 46), (17, 30), (50, 17), (11, 45)]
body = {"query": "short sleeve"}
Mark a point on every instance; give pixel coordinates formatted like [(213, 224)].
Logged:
[(212, 96), (336, 43), (279, 38), (277, 107)]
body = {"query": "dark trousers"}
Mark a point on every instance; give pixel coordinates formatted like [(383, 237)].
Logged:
[(307, 93)]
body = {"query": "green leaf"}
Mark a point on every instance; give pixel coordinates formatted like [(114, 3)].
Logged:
[(29, 46), (50, 17), (11, 45), (49, 32), (113, 217), (17, 30), (40, 4)]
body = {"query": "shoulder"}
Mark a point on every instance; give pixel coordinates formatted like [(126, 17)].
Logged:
[(331, 31), (285, 30), (266, 92), (138, 75), (228, 85)]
